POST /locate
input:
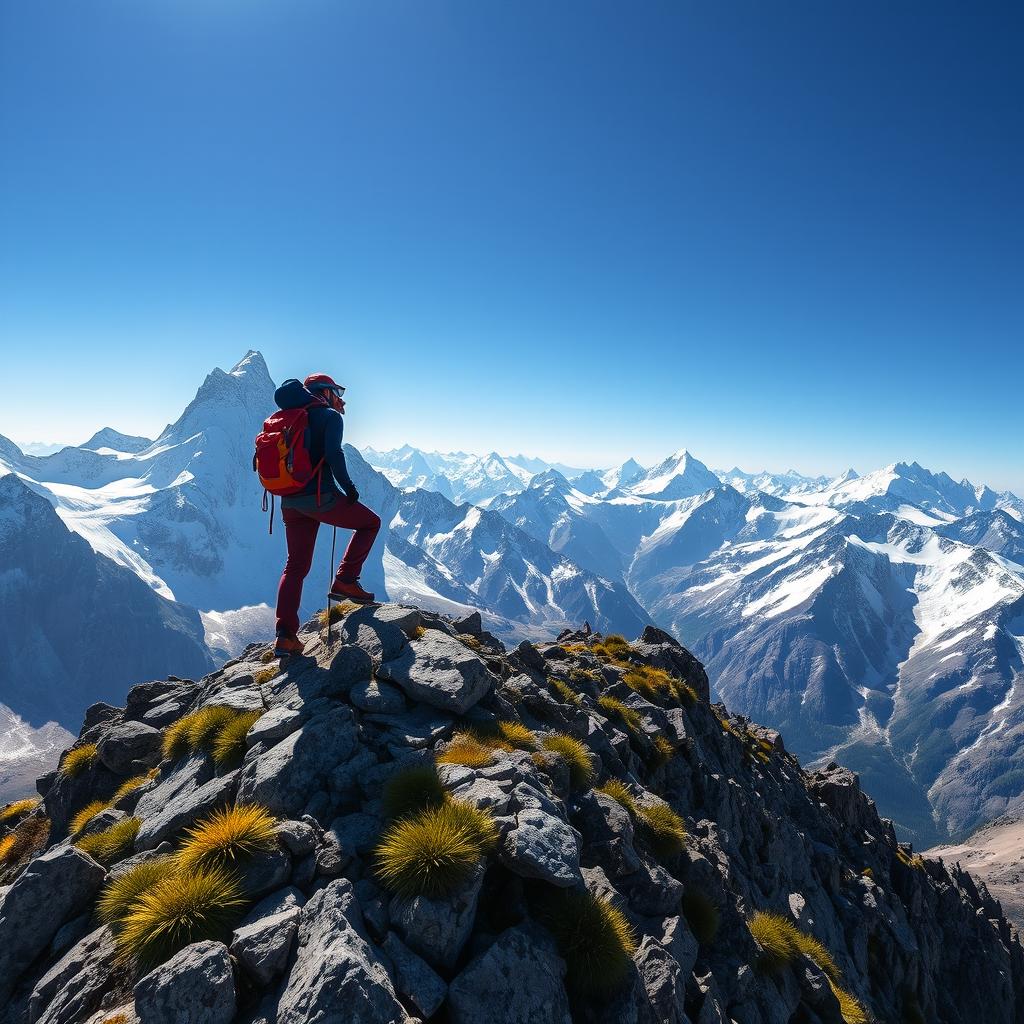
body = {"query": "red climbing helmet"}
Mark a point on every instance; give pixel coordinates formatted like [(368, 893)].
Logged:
[(323, 382)]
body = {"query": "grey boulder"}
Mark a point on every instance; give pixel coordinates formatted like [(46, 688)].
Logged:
[(175, 785), (273, 726), (365, 628), (517, 981), (377, 695), (337, 977), (177, 814), (663, 982), (52, 889), (262, 942), (298, 837), (73, 987), (196, 985), (414, 978), (406, 619), (438, 929), (440, 671), (542, 846), (282, 778)]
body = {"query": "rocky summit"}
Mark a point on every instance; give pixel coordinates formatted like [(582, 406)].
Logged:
[(411, 823)]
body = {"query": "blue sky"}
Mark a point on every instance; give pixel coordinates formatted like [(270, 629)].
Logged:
[(785, 234)]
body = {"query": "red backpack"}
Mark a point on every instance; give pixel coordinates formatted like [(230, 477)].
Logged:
[(282, 458)]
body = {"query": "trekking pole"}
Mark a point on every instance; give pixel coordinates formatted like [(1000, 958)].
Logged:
[(330, 585)]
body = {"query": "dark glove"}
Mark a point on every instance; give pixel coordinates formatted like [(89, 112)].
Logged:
[(352, 495)]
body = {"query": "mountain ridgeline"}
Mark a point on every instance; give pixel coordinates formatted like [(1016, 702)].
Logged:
[(412, 823)]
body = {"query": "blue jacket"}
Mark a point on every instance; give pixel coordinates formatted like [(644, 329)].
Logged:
[(326, 427)]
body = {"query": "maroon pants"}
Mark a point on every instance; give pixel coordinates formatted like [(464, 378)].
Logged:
[(300, 527)]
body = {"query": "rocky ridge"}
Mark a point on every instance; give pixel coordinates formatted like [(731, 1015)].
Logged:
[(609, 846)]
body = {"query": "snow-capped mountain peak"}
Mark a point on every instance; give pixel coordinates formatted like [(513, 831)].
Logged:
[(109, 440), (679, 476)]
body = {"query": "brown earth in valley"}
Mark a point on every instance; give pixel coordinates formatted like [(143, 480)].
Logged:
[(995, 855)]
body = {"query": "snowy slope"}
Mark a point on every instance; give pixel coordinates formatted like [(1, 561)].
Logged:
[(510, 573), (77, 628)]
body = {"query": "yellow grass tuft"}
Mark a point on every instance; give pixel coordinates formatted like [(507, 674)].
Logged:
[(849, 1006), (86, 814), (910, 859), (229, 744), (663, 749), (619, 791), (77, 760), (338, 611), (574, 753), (264, 675), (594, 938), (727, 726), (613, 648), (650, 681), (112, 844), (782, 942), (267, 656), (664, 829), (129, 785), (175, 742), (613, 706), (177, 911), (226, 837), (431, 853), (119, 895), (490, 736), (517, 735), (811, 948), (565, 691), (466, 749), (18, 809), (206, 723), (684, 692), (28, 838), (774, 934), (201, 730)]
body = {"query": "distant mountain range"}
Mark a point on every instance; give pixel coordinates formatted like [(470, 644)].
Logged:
[(876, 619)]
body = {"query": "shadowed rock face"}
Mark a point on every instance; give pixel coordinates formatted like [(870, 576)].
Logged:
[(684, 818)]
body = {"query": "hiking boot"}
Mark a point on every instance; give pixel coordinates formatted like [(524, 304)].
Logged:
[(350, 592), (285, 646)]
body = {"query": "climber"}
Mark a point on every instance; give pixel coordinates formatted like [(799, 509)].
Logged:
[(329, 496)]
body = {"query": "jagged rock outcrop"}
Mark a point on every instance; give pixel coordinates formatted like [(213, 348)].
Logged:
[(414, 824)]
